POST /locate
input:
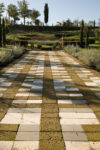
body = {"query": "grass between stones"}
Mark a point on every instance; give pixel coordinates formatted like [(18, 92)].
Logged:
[(92, 132), (50, 130), (8, 132)]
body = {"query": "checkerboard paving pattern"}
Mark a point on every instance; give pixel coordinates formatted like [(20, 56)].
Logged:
[(49, 100)]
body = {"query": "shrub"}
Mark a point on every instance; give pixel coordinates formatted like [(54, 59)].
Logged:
[(17, 51), (7, 55), (39, 46), (73, 50), (90, 57)]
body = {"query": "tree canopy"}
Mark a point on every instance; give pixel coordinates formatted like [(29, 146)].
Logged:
[(13, 12)]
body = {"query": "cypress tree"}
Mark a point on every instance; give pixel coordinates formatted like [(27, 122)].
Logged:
[(3, 32), (94, 24), (0, 33), (82, 34), (87, 36), (46, 13)]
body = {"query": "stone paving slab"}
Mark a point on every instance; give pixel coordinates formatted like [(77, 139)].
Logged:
[(72, 89), (74, 136), (72, 101), (90, 84), (98, 95), (72, 128), (26, 145), (79, 121), (27, 136), (75, 115), (6, 145), (28, 128), (24, 110), (78, 110), (70, 145)]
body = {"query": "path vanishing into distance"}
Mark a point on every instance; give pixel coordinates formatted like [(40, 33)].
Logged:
[(49, 101)]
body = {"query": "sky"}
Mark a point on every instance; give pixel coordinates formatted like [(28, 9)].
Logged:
[(60, 10)]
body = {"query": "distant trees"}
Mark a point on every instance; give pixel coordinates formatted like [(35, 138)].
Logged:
[(34, 15), (75, 23), (23, 9), (1, 9), (13, 12), (46, 13), (68, 23)]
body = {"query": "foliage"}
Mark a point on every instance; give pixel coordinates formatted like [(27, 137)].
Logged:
[(24, 11), (37, 22), (67, 23), (0, 33), (7, 55), (1, 8), (46, 13), (3, 32), (13, 12), (87, 36), (34, 15), (90, 57), (82, 33)]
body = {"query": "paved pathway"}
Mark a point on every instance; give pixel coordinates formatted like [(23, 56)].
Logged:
[(49, 101)]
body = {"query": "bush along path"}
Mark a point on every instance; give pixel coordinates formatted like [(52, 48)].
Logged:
[(49, 101)]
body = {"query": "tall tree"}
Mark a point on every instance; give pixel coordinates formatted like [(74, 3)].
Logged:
[(82, 33), (13, 12), (1, 9), (46, 13), (0, 33), (23, 8), (94, 24), (86, 36), (3, 33), (7, 21), (34, 15)]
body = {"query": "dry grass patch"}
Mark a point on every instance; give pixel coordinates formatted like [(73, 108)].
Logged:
[(9, 127), (7, 136), (9, 96), (51, 145), (50, 108), (52, 136), (49, 101), (49, 115), (93, 136), (92, 132), (50, 139), (50, 124)]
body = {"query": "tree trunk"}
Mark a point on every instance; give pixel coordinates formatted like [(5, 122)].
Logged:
[(14, 21), (24, 20)]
